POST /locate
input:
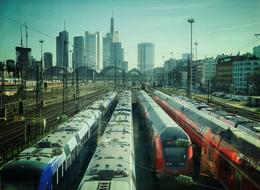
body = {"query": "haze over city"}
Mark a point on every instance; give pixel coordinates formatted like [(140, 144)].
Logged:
[(220, 26)]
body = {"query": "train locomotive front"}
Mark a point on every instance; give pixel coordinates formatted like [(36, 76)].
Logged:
[(171, 146)]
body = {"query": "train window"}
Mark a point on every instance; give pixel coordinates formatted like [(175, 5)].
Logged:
[(16, 180), (175, 156), (225, 166), (210, 153)]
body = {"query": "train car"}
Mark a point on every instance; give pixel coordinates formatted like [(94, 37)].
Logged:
[(172, 148), (233, 120), (227, 152), (113, 163), (43, 165)]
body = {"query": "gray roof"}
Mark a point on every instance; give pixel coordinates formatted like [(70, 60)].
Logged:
[(113, 164)]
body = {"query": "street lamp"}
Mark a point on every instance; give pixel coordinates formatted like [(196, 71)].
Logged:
[(189, 89)]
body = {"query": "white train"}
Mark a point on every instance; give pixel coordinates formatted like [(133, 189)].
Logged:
[(43, 165), (113, 163)]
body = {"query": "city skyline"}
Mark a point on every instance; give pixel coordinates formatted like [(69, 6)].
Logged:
[(229, 28)]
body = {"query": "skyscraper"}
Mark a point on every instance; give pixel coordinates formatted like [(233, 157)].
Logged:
[(145, 56), (256, 51), (91, 49), (62, 50), (47, 60), (111, 50), (117, 55), (78, 51)]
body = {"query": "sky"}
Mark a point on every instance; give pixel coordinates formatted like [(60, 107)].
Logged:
[(220, 26)]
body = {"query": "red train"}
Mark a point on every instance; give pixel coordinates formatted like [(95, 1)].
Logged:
[(227, 152), (172, 148)]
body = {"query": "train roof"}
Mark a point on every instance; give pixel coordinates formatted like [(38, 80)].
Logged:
[(248, 126), (155, 111), (112, 164), (246, 143), (55, 147)]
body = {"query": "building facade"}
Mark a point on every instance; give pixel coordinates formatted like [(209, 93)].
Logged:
[(145, 58), (47, 60), (197, 74), (91, 49), (78, 51), (107, 41), (62, 50), (209, 70), (241, 73), (117, 56), (256, 51), (224, 72)]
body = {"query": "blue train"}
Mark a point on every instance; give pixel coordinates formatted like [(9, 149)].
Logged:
[(43, 165)]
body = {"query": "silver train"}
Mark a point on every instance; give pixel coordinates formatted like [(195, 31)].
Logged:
[(43, 165), (113, 163)]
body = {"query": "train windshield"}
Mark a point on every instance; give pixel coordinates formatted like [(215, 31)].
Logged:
[(15, 181), (175, 156)]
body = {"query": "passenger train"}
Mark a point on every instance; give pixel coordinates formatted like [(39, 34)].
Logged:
[(113, 163), (171, 145), (228, 152), (43, 165), (233, 120)]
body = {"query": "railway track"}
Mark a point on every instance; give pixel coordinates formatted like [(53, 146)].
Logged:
[(12, 136)]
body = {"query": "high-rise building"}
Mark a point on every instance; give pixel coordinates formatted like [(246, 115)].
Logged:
[(185, 56), (47, 60), (107, 41), (256, 51), (62, 50), (117, 55), (113, 53), (78, 51), (145, 56), (91, 49), (116, 36)]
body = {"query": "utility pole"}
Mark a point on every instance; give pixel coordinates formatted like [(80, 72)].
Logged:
[(77, 90), (163, 77), (26, 35), (208, 91), (93, 75), (65, 80), (189, 88), (196, 49), (85, 68), (115, 68), (3, 68), (72, 80), (39, 85), (172, 69)]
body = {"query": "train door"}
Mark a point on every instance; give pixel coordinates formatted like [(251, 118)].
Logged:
[(238, 184), (196, 160)]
